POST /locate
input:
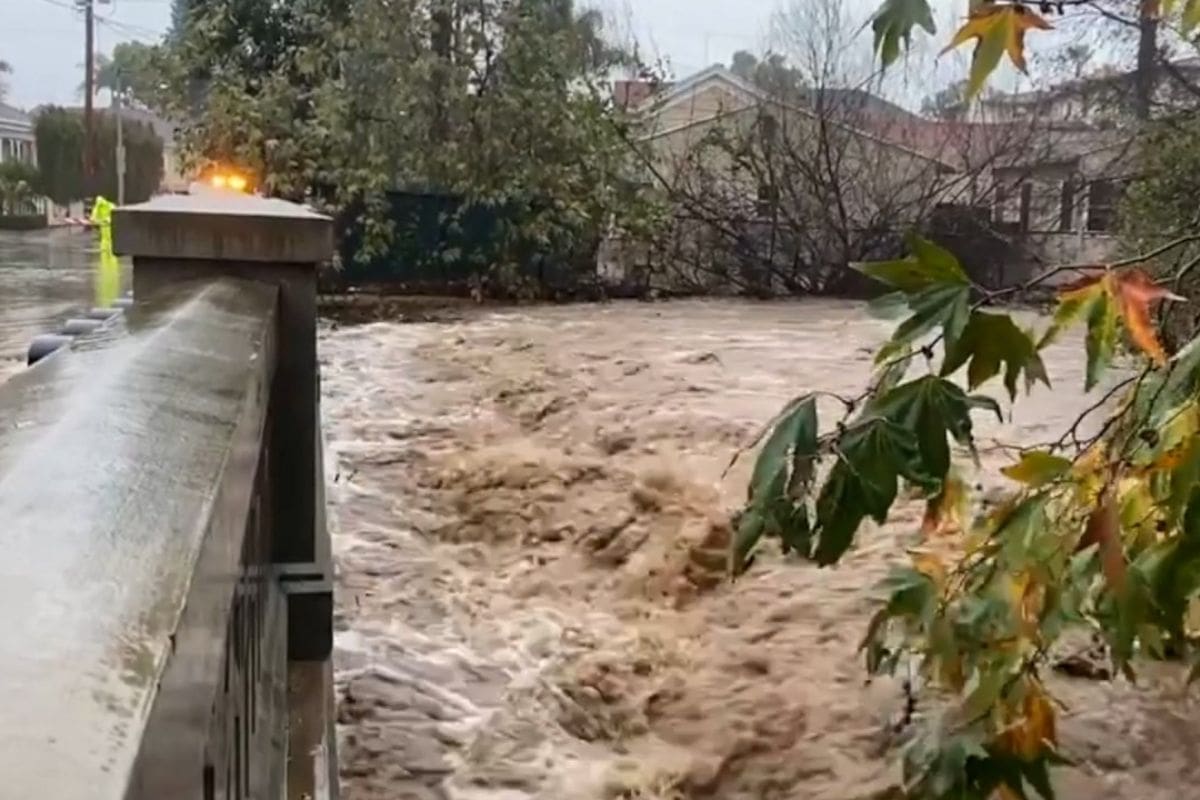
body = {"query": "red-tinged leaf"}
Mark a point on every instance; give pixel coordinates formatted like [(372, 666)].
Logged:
[(1134, 291), (1104, 529)]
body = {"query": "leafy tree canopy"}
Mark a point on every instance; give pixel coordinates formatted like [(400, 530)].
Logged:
[(495, 100), (61, 142)]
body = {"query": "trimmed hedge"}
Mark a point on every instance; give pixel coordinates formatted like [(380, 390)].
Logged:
[(24, 222)]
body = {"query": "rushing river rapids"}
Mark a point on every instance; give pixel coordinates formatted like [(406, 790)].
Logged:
[(531, 533)]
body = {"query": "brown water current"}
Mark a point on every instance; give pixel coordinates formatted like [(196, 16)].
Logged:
[(531, 532)]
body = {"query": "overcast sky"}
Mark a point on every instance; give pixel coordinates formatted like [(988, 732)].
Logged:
[(43, 39)]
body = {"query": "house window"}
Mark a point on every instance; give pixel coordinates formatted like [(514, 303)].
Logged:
[(764, 203), (1066, 206), (1103, 196), (1008, 207), (770, 127)]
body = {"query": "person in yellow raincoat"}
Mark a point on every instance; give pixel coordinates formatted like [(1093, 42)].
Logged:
[(108, 272)]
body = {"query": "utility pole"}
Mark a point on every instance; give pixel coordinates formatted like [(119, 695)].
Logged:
[(116, 104), (1145, 79), (89, 112)]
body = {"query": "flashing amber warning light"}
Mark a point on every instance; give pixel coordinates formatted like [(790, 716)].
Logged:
[(227, 179)]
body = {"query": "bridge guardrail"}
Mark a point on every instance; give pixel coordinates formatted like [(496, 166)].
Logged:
[(167, 576)]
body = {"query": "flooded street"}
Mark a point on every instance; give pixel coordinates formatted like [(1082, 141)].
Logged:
[(45, 277), (532, 528)]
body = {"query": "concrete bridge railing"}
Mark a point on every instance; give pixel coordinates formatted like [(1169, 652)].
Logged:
[(165, 583)]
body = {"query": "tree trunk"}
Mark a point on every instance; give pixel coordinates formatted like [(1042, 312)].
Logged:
[(441, 40), (1145, 78)]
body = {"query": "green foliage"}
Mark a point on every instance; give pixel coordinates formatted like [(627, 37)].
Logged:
[(871, 457), (1159, 204), (936, 289), (990, 340), (19, 183), (138, 71), (783, 470), (893, 24), (302, 109), (1103, 533), (999, 28), (772, 74), (61, 143)]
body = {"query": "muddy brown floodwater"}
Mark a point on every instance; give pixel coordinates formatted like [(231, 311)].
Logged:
[(531, 535)]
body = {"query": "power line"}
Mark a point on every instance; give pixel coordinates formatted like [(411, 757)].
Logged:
[(68, 6), (89, 158), (135, 31)]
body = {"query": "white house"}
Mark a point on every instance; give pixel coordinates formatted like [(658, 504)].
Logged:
[(17, 142)]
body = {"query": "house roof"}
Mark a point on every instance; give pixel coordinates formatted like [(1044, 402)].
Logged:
[(868, 126), (1104, 77), (15, 121), (717, 73)]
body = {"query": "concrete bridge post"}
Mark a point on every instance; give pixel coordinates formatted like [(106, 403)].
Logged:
[(186, 238)]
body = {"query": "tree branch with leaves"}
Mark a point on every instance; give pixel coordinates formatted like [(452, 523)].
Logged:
[(1099, 531)]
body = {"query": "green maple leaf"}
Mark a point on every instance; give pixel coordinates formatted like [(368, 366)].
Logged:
[(930, 407), (947, 305), (927, 264), (796, 431), (1102, 336), (893, 24), (872, 456), (784, 464), (990, 340), (937, 291), (1094, 303)]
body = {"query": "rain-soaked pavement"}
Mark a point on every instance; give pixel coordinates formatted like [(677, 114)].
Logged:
[(45, 278)]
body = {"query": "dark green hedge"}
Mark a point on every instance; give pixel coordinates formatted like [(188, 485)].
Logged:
[(60, 144), (27, 222)]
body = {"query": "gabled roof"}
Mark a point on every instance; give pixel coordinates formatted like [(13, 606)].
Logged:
[(722, 75), (718, 73)]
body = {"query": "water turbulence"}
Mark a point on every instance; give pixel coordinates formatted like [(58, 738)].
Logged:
[(532, 527)]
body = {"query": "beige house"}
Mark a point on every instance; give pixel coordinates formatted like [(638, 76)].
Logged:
[(777, 186), (852, 166), (1100, 99)]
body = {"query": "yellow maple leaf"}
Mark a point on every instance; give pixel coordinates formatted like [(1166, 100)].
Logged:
[(997, 28), (944, 513), (1031, 725), (930, 565)]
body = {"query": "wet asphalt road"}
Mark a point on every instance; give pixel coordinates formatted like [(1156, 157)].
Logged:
[(46, 277)]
